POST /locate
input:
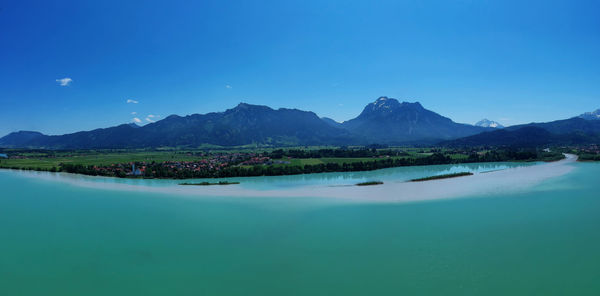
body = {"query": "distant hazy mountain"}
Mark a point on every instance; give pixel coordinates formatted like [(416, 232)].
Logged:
[(560, 132), (595, 115), (388, 121), (488, 123)]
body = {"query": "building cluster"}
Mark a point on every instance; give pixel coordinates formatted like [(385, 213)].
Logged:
[(211, 163), (591, 149)]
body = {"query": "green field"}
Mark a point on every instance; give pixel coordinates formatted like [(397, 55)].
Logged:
[(338, 160), (43, 161), (314, 161), (46, 160)]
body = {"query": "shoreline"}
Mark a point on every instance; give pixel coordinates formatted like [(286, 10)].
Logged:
[(498, 181), (136, 177)]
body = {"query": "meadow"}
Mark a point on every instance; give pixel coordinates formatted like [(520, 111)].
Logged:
[(47, 159)]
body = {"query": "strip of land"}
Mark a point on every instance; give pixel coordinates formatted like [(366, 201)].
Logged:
[(444, 176), (492, 183), (198, 164)]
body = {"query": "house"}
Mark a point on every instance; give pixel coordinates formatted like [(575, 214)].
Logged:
[(134, 171)]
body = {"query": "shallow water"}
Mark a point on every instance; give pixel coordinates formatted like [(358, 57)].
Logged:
[(58, 238)]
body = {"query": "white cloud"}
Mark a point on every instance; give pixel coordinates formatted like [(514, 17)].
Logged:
[(64, 81), (130, 101), (133, 113), (227, 86), (153, 116), (136, 120), (149, 120)]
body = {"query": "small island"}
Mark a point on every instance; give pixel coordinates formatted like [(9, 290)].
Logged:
[(369, 183), (209, 183), (445, 176)]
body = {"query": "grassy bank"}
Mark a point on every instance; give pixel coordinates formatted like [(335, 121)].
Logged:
[(588, 157)]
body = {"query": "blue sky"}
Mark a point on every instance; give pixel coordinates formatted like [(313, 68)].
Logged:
[(510, 61)]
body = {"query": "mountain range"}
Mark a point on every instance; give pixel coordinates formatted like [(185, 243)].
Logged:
[(242, 125), (384, 121)]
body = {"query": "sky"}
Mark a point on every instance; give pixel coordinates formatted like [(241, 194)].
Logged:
[(67, 66)]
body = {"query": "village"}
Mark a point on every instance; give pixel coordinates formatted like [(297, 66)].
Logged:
[(206, 166), (590, 149)]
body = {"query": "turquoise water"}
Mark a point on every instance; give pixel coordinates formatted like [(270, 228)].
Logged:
[(60, 239)]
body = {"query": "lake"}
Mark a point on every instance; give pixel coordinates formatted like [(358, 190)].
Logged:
[(77, 235)]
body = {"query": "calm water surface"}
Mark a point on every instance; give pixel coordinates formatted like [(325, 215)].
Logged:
[(61, 239)]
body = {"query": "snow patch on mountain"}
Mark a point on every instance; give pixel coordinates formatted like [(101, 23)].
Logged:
[(488, 123), (595, 115)]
